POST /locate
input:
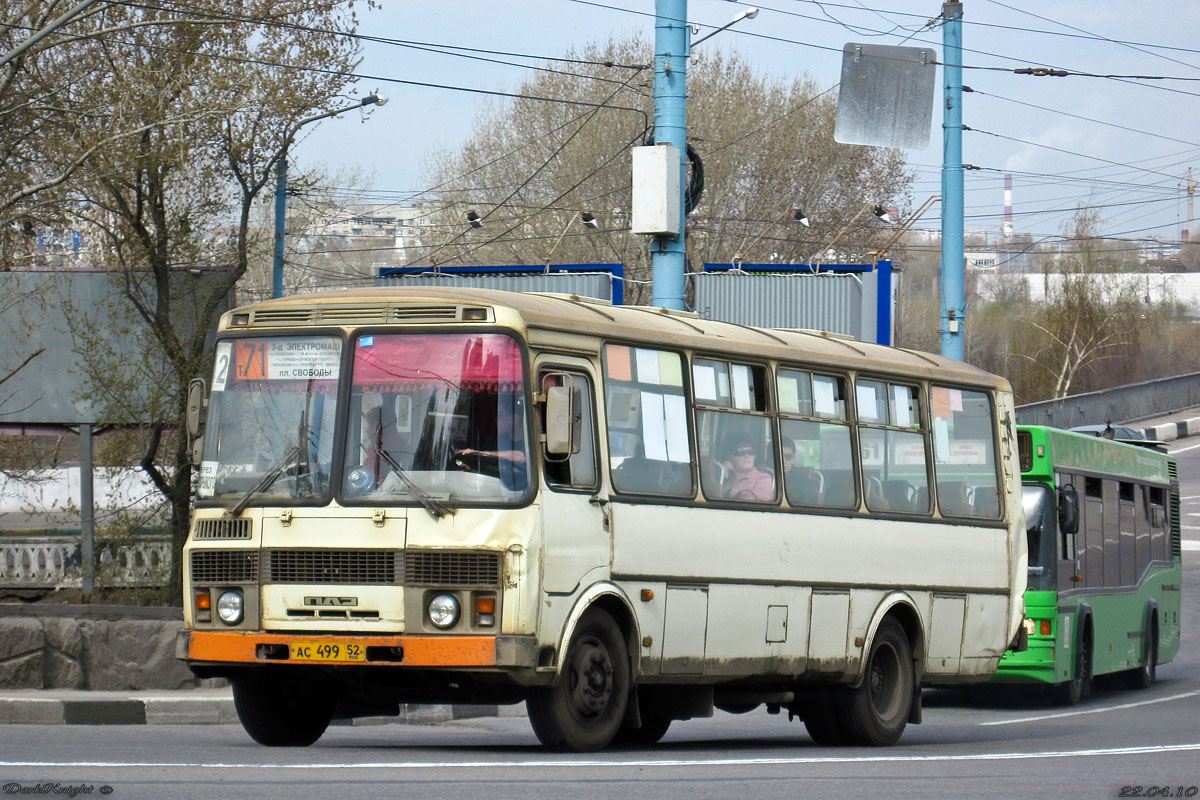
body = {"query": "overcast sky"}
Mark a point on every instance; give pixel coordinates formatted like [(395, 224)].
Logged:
[(1126, 149)]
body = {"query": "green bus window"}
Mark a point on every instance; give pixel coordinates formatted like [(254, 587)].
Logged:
[(964, 450)]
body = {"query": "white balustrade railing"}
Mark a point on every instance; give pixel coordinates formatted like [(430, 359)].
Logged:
[(54, 562)]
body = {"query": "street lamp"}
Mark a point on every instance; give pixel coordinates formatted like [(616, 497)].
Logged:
[(878, 211), (749, 13), (588, 220), (882, 252), (797, 215), (281, 184)]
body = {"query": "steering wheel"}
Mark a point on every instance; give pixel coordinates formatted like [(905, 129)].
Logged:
[(475, 461)]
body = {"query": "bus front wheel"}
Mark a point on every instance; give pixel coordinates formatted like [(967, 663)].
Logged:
[(279, 713), (1144, 676), (653, 728), (878, 710), (1080, 686), (584, 709)]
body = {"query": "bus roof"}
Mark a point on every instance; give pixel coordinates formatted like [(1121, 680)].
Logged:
[(1079, 452), (585, 315)]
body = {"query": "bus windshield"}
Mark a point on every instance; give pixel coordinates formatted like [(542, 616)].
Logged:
[(271, 420), (436, 417), (1040, 528)]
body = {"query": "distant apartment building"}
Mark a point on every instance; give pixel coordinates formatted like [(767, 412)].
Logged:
[(404, 225)]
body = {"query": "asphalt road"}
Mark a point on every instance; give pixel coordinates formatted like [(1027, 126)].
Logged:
[(1121, 743)]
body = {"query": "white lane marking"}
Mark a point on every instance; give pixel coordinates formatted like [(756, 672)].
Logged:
[(702, 762), (1183, 449), (1191, 497), (1081, 712), (1190, 544)]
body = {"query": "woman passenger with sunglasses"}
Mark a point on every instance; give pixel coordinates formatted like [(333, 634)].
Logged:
[(744, 480)]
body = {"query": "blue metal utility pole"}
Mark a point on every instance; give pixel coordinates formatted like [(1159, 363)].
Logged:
[(280, 221), (281, 184), (671, 53), (953, 303)]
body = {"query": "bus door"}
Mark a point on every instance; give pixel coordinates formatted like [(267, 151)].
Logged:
[(575, 514)]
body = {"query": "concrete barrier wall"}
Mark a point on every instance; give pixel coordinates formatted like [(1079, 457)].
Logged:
[(91, 647), (1122, 404)]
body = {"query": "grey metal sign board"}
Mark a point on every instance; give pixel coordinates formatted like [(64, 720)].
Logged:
[(886, 95), (62, 314)]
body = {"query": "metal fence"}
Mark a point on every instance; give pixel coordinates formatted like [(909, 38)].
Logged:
[(1136, 401)]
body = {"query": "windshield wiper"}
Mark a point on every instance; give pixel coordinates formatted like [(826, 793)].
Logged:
[(289, 460), (436, 508)]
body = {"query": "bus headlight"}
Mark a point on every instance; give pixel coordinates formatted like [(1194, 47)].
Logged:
[(230, 607), (1029, 627), (444, 610)]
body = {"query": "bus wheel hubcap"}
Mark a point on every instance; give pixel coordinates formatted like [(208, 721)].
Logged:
[(591, 679)]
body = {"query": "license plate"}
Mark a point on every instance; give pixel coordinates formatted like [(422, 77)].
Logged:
[(327, 651)]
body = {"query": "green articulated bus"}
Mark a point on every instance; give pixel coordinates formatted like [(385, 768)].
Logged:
[(1102, 520)]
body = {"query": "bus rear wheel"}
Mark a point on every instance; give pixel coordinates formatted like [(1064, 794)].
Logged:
[(584, 709), (878, 710), (823, 719), (280, 713)]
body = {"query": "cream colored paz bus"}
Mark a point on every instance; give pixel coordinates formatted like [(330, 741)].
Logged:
[(622, 516)]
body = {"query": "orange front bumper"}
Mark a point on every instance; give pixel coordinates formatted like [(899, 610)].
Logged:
[(230, 647)]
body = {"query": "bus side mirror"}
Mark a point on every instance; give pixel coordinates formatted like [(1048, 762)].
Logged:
[(195, 406), (560, 420), (1068, 510), (195, 411)]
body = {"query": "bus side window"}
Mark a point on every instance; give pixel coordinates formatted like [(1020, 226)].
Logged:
[(964, 451), (578, 469), (892, 447), (649, 446), (815, 440)]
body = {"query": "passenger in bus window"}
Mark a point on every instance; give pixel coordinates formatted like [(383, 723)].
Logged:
[(804, 484), (509, 454), (744, 480)]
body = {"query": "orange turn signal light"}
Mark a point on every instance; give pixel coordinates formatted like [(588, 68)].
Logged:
[(203, 600), (1044, 628), (485, 605)]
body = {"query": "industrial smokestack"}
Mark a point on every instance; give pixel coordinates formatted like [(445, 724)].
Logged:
[(1006, 227)]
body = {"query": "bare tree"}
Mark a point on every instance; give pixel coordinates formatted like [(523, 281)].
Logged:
[(204, 99), (534, 167)]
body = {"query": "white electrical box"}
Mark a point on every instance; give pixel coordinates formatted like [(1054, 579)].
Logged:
[(656, 190)]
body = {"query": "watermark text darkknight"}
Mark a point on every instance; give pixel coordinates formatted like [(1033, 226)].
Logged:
[(54, 788)]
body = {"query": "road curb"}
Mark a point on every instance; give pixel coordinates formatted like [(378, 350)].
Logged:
[(1170, 431), (110, 708)]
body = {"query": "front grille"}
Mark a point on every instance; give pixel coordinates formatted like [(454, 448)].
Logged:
[(222, 529), (1176, 523), (451, 568), (224, 566), (334, 566)]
